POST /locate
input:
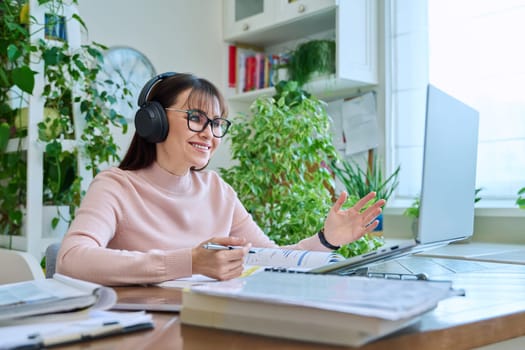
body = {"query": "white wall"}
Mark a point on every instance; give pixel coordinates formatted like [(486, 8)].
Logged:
[(176, 35)]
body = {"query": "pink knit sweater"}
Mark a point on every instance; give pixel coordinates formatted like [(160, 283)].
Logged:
[(137, 227)]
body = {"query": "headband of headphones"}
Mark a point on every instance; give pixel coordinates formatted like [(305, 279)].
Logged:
[(143, 97)]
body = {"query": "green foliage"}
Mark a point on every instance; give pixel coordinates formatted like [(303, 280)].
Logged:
[(413, 210), (310, 57), (363, 245), (87, 93), (280, 149), (71, 84), (521, 198), (358, 182)]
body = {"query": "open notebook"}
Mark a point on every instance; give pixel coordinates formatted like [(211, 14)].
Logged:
[(448, 183)]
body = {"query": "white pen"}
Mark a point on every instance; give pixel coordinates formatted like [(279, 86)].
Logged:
[(215, 246)]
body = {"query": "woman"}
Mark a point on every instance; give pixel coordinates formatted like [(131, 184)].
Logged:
[(147, 220)]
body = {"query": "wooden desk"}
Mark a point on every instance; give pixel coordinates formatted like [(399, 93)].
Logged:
[(492, 310)]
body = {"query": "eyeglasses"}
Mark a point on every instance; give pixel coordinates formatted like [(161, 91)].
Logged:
[(198, 121)]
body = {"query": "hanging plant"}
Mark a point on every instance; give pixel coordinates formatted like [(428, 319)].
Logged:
[(315, 56)]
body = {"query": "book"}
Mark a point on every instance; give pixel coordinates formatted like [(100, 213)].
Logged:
[(232, 66), (330, 309), (244, 79), (60, 294)]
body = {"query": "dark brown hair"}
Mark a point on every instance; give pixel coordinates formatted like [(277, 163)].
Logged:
[(141, 153)]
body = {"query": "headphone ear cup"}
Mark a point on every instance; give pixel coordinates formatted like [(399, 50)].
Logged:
[(151, 122)]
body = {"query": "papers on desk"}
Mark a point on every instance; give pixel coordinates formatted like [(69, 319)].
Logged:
[(298, 260), (98, 324), (60, 294), (187, 281), (319, 308), (280, 257), (41, 313)]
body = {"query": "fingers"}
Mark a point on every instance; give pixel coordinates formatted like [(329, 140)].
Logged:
[(340, 201), (373, 211), (228, 240), (363, 201), (221, 263), (372, 226), (229, 264), (234, 272)]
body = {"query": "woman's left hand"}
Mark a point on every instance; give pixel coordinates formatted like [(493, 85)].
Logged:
[(343, 226)]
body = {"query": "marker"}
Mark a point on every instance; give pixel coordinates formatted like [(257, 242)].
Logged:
[(215, 246)]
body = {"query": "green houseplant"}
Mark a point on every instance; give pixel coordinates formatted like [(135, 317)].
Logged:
[(358, 182), (280, 149), (314, 56), (71, 87)]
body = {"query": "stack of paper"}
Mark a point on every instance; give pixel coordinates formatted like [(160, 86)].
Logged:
[(41, 313), (319, 308)]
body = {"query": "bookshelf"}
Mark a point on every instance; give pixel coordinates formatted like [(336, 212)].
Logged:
[(277, 26)]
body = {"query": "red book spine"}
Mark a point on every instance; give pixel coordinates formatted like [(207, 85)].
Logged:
[(232, 66), (251, 64)]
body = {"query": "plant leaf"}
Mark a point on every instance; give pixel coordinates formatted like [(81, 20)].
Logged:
[(24, 78), (4, 136)]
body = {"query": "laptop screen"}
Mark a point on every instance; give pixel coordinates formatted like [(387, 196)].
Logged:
[(449, 169)]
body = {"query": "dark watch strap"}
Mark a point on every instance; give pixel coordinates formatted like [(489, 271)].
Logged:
[(324, 242)]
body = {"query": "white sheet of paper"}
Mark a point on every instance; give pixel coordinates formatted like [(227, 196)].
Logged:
[(360, 124), (335, 111)]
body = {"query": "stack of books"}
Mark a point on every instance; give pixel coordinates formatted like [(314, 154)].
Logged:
[(327, 309)]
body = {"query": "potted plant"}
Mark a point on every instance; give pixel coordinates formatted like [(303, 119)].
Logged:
[(358, 181), (77, 113), (308, 58), (280, 150)]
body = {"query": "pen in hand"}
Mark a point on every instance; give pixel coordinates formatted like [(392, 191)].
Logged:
[(215, 246)]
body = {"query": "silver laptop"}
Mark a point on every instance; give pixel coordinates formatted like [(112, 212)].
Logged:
[(446, 212)]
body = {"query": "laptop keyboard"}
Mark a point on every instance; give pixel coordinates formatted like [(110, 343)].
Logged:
[(359, 272)]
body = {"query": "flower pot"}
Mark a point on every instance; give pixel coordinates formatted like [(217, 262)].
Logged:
[(378, 231)]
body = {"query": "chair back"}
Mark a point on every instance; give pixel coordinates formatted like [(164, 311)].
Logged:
[(51, 259), (17, 266)]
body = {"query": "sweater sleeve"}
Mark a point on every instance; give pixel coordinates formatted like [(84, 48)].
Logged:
[(84, 252)]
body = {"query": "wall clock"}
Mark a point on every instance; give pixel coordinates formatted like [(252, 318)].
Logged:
[(122, 63)]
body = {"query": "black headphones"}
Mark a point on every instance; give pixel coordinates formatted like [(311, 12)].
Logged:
[(151, 121)]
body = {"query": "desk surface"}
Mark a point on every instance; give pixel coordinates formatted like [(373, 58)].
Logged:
[(492, 310)]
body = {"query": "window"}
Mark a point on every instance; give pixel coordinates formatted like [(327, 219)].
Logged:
[(471, 49)]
